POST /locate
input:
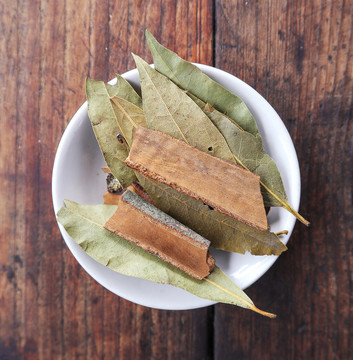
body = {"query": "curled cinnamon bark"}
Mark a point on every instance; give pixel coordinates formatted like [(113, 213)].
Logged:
[(143, 224)]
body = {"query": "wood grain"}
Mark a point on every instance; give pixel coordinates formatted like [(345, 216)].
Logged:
[(298, 55), (50, 278), (9, 288), (50, 308)]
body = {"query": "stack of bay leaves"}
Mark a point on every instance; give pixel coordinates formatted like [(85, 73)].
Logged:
[(181, 101)]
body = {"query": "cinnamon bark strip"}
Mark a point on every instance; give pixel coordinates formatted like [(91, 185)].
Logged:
[(139, 190), (111, 198), (143, 224), (226, 187)]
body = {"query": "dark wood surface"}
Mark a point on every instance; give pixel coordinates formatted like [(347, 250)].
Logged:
[(298, 55)]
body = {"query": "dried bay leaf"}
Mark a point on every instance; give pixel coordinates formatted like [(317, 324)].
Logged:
[(84, 223), (170, 110), (128, 116), (126, 91), (191, 78), (105, 126)]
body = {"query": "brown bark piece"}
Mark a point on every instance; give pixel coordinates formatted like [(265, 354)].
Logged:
[(111, 198), (226, 187), (143, 224), (139, 190)]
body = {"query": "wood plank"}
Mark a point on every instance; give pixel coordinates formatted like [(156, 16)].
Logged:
[(52, 309), (98, 69), (28, 176), (49, 244), (164, 19), (76, 67), (300, 61), (142, 333), (9, 267)]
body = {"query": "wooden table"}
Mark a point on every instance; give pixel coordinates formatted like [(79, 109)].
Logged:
[(298, 55)]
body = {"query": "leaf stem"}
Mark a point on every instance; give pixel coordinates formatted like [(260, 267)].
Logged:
[(264, 313), (283, 232)]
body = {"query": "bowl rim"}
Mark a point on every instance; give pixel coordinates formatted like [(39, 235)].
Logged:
[(57, 203)]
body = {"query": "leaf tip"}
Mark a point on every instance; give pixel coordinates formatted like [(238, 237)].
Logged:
[(295, 213), (150, 39), (118, 77), (69, 204), (136, 58), (301, 218), (87, 83), (140, 63)]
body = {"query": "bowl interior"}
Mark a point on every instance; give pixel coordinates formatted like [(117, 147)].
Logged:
[(77, 176)]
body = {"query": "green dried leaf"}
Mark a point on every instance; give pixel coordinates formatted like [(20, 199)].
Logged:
[(192, 79), (127, 92), (128, 116), (250, 154), (170, 110), (105, 126), (84, 223), (224, 232)]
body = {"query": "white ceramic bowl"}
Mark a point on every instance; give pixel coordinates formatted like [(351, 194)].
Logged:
[(78, 157)]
